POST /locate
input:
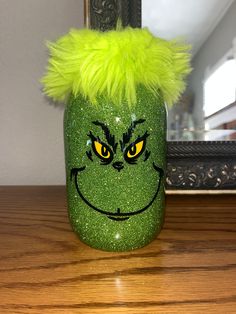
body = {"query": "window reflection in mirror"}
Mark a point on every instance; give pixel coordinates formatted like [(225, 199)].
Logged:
[(207, 109)]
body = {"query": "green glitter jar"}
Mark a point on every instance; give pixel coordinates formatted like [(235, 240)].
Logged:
[(115, 162), (115, 85)]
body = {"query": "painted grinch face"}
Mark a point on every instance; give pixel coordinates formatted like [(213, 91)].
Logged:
[(119, 155), (115, 158)]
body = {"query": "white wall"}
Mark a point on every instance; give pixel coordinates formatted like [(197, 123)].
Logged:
[(216, 46), (31, 129)]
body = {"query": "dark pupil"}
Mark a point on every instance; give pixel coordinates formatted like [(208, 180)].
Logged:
[(104, 151), (132, 150)]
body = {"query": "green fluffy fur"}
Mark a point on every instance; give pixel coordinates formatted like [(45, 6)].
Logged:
[(114, 63)]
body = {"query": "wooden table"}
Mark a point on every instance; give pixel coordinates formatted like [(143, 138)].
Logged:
[(44, 268)]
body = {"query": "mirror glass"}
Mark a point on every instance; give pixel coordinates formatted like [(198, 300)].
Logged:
[(207, 109)]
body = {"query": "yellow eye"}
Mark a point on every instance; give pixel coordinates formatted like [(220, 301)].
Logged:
[(135, 149), (101, 150)]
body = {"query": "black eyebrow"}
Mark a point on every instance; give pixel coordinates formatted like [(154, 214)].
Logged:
[(109, 137), (127, 135)]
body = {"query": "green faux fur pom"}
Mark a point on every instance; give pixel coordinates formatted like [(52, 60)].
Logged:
[(114, 63)]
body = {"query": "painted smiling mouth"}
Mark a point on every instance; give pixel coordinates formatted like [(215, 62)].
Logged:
[(117, 216)]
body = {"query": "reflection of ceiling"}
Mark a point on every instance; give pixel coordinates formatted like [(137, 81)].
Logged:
[(192, 19)]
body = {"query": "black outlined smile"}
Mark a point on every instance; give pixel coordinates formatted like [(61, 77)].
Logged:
[(118, 215)]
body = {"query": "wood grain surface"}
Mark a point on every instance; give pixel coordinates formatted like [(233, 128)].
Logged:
[(44, 268)]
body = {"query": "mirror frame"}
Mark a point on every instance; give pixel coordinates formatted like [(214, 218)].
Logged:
[(195, 165)]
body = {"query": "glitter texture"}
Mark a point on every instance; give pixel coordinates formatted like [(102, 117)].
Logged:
[(107, 198)]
